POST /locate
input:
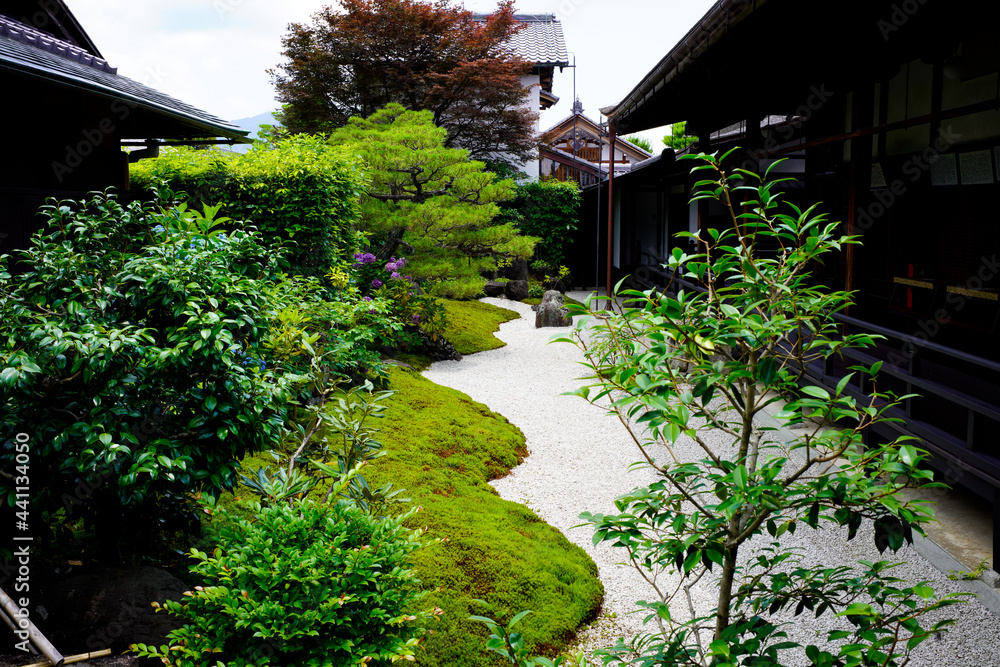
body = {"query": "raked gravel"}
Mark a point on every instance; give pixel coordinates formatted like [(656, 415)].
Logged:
[(579, 460)]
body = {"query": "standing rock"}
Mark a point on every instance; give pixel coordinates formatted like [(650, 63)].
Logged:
[(107, 608), (516, 290), (552, 312), (438, 348), (493, 288), (556, 284), (518, 270)]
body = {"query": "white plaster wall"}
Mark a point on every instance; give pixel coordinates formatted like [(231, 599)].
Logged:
[(531, 82)]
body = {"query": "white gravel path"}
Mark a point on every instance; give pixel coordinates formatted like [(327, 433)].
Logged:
[(579, 461)]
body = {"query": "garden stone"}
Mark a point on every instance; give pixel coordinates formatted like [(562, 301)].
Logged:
[(107, 608), (552, 311), (554, 284), (494, 288), (516, 290), (437, 348), (518, 270)]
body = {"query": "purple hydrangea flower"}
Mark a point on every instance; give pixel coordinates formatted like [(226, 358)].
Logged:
[(368, 298), (391, 266), (376, 283), (362, 258), (395, 276), (371, 311), (416, 319)]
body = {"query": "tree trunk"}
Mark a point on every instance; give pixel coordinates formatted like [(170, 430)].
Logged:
[(392, 242)]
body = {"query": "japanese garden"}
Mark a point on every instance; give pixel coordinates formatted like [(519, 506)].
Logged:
[(360, 394)]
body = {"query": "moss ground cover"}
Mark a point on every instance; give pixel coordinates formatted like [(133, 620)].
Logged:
[(443, 448), (471, 325)]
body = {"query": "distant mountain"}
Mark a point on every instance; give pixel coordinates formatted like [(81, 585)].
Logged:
[(252, 124)]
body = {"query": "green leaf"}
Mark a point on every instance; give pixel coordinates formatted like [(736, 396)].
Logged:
[(908, 454), (740, 477), (816, 392), (812, 517)]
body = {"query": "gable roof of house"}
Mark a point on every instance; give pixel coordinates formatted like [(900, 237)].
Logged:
[(52, 17), (587, 125), (33, 53), (540, 42)]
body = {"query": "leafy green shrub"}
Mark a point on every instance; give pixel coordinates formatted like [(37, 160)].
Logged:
[(131, 353), (320, 574), (301, 193), (300, 584), (549, 210), (334, 322), (713, 360), (443, 448)]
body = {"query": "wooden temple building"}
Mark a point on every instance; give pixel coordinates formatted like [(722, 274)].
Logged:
[(68, 114), (888, 113), (577, 149)]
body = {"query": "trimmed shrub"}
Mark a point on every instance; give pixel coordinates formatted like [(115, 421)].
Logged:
[(550, 211), (301, 194), (300, 585)]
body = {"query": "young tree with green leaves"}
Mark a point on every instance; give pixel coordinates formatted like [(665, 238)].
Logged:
[(695, 371), (430, 200), (640, 141), (677, 139)]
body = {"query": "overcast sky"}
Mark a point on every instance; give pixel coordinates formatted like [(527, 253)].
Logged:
[(214, 54)]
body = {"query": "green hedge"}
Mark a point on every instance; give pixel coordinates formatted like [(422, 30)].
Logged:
[(549, 210), (303, 194), (443, 448)]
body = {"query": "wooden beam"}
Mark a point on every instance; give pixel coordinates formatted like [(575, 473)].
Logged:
[(988, 105)]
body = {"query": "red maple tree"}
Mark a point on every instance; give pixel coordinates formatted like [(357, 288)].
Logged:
[(432, 56)]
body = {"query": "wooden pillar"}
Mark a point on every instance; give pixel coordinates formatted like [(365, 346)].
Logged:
[(611, 202), (996, 525)]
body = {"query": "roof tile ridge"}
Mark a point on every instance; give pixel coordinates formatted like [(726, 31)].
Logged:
[(25, 34)]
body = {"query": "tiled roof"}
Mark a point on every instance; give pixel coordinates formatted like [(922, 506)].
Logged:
[(540, 42), (25, 34), (45, 57)]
